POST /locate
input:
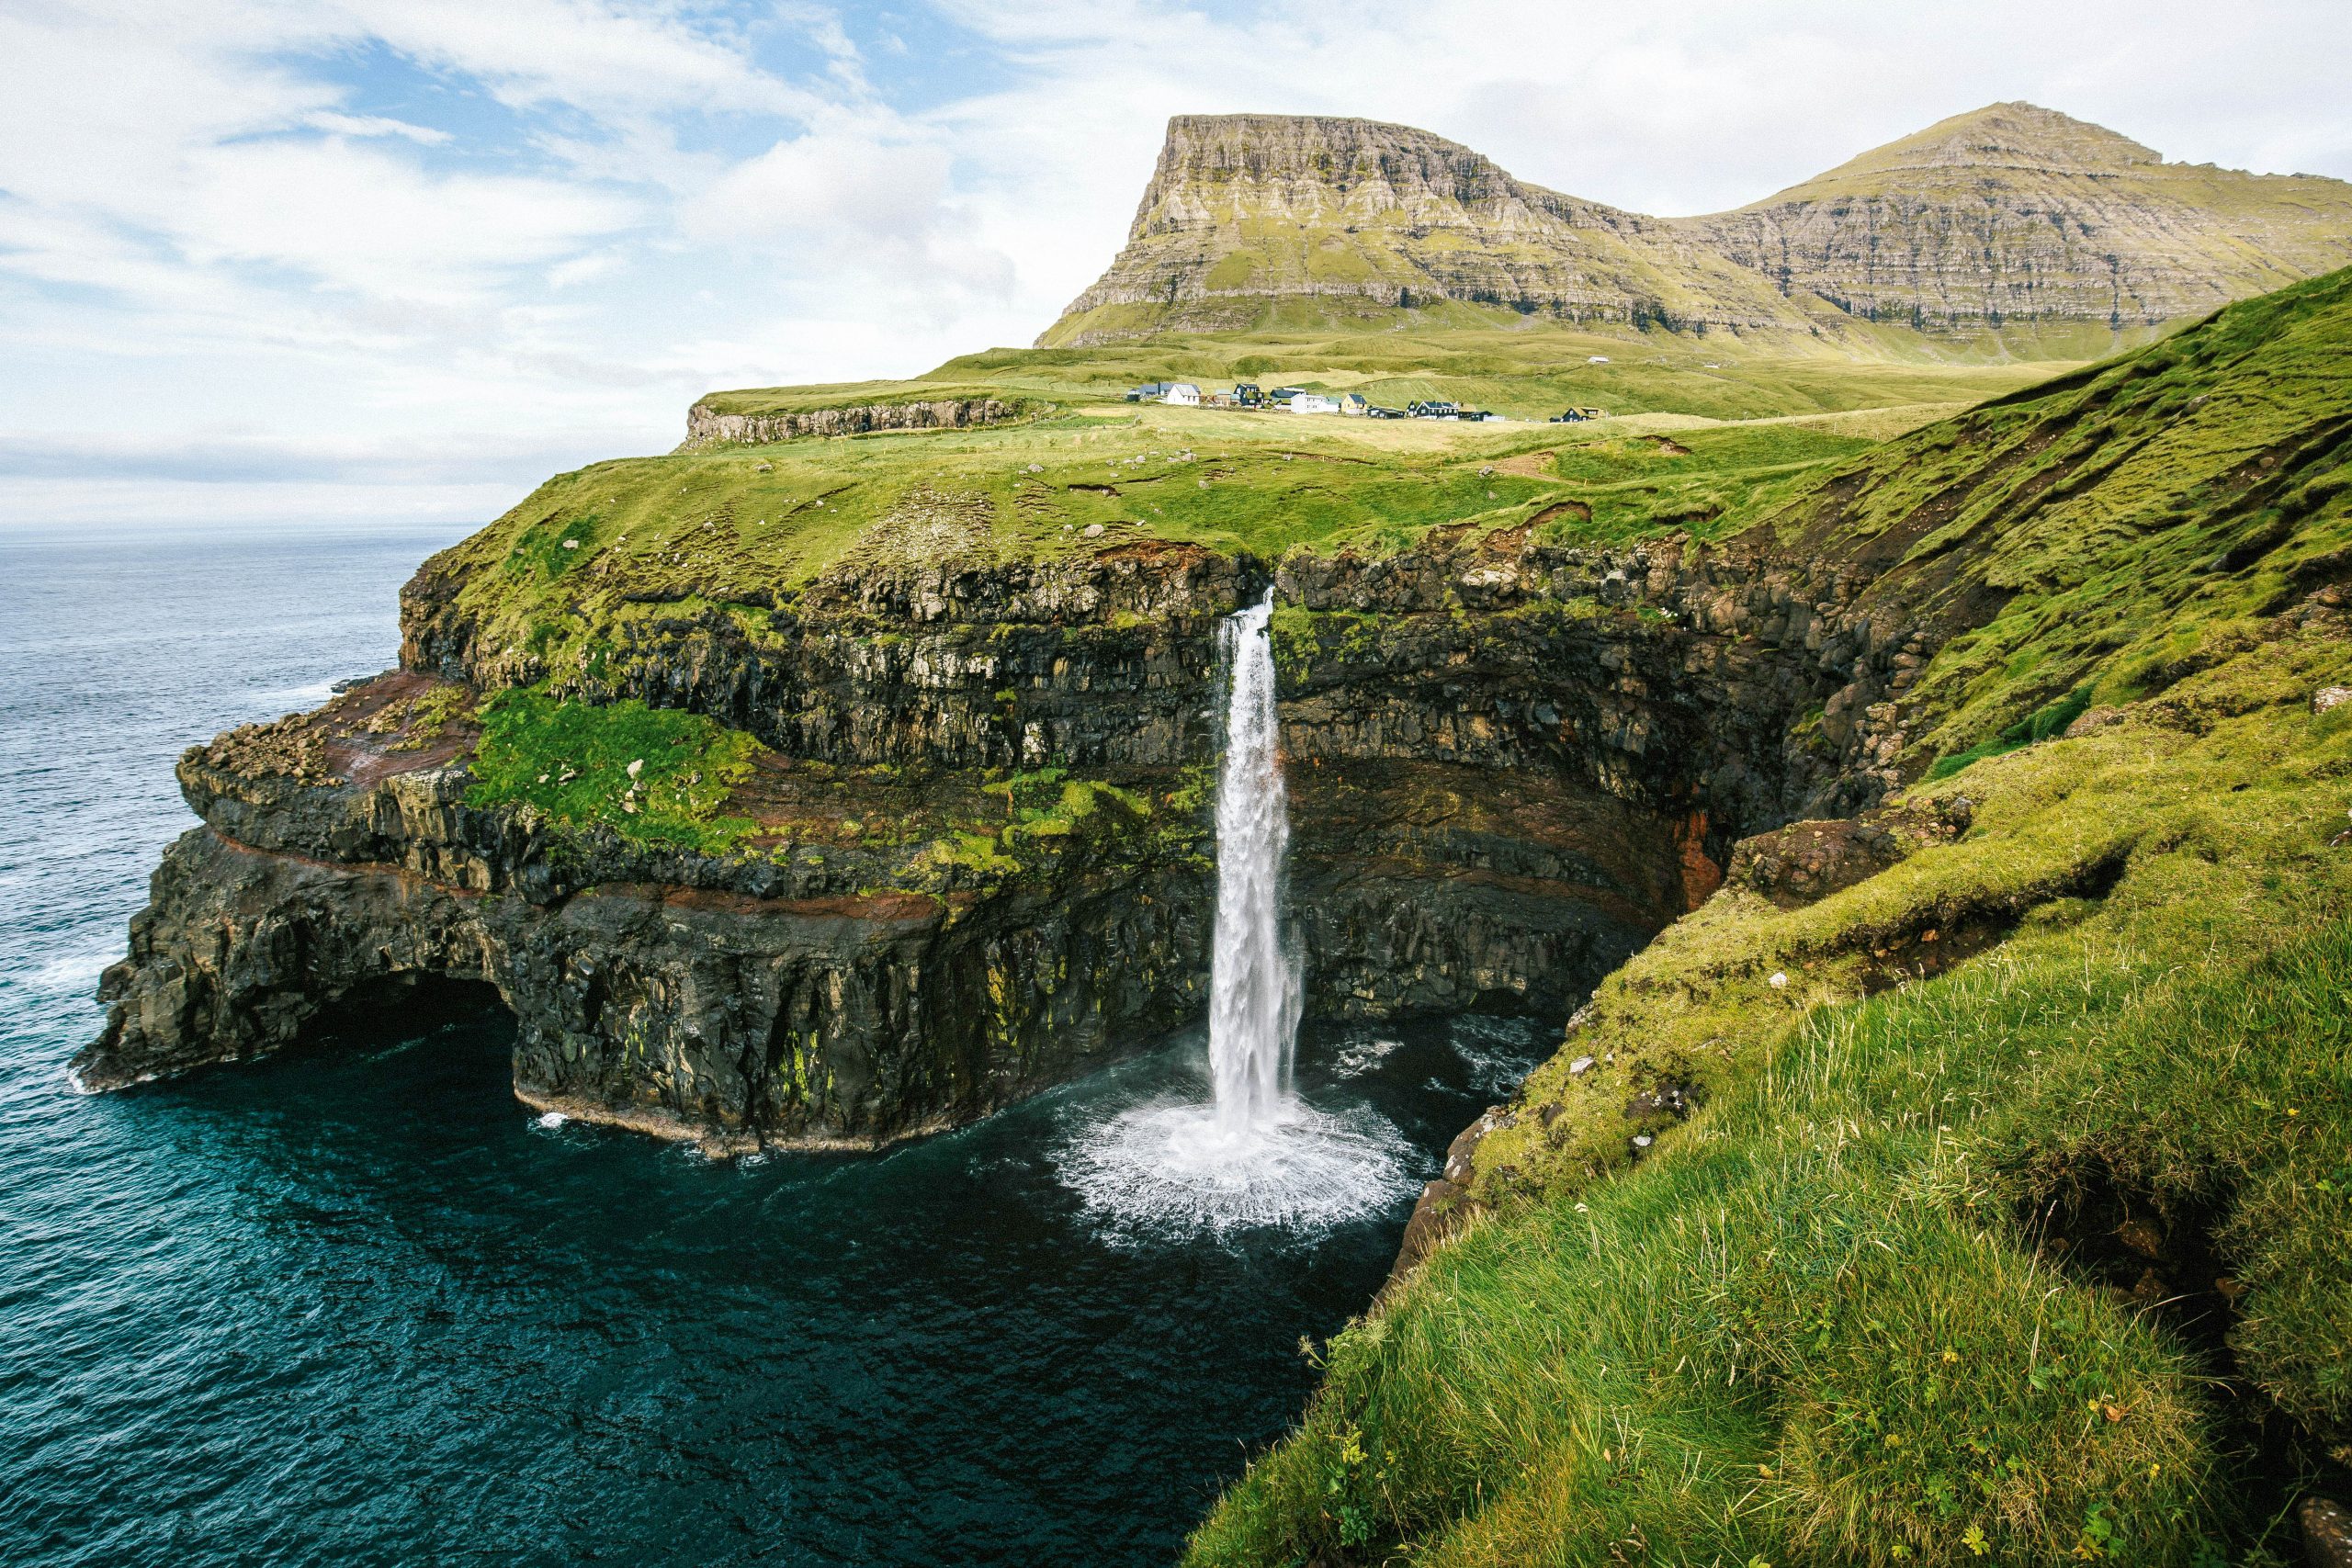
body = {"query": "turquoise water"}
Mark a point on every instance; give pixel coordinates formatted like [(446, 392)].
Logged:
[(355, 1306)]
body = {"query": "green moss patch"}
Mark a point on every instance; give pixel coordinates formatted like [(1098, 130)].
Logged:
[(653, 774)]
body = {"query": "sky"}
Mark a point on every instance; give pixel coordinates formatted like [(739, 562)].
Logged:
[(340, 262)]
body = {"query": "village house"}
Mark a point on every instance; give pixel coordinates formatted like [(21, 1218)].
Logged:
[(1355, 403), (1183, 393), (1313, 402)]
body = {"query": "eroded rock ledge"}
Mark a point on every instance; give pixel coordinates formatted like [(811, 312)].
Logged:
[(706, 426)]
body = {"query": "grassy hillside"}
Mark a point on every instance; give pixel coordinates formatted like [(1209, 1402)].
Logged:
[(2134, 521), (1997, 1208), (1526, 368), (614, 541)]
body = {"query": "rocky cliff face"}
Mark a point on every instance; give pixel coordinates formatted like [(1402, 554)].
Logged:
[(2011, 214), (1512, 764), (707, 426), (2014, 213), (811, 999), (1245, 208)]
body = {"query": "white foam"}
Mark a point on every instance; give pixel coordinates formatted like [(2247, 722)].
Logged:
[(1171, 1170), (1358, 1057), (306, 696), (1500, 1054), (74, 971), (549, 1121)]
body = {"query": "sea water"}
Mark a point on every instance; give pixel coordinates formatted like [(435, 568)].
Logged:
[(357, 1306)]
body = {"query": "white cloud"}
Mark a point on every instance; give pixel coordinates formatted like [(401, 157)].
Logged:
[(869, 212), (356, 217), (374, 125), (603, 60), (403, 254), (852, 189)]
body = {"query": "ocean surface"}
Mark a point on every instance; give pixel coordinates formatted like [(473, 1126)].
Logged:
[(355, 1306)]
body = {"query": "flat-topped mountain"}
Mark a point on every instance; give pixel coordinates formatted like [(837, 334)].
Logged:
[(1246, 210), (2013, 214)]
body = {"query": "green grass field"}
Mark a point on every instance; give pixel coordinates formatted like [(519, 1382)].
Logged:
[(594, 548), (1521, 367)]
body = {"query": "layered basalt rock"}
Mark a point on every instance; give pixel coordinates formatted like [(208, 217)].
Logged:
[(749, 1000), (1104, 660), (2009, 214), (708, 427), (1454, 887), (1511, 764)]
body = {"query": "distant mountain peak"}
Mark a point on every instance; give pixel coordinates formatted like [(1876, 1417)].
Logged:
[(2013, 136), (2008, 214)]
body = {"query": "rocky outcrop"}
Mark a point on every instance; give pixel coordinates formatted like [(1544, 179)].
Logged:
[(801, 999), (2328, 1533), (2010, 214), (1806, 862), (706, 426)]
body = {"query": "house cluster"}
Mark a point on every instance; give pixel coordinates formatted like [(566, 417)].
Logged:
[(1299, 399)]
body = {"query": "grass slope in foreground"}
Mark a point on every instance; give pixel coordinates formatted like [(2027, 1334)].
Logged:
[(2040, 1256)]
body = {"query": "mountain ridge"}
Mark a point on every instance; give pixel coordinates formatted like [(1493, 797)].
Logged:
[(2011, 213)]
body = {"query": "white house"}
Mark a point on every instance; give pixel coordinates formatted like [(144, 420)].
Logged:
[(1183, 392), (1313, 402)]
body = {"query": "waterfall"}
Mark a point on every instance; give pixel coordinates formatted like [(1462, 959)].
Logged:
[(1253, 983), (1258, 1156)]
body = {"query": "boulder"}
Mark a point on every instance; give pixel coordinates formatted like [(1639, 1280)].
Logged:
[(2328, 1533), (1806, 862)]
